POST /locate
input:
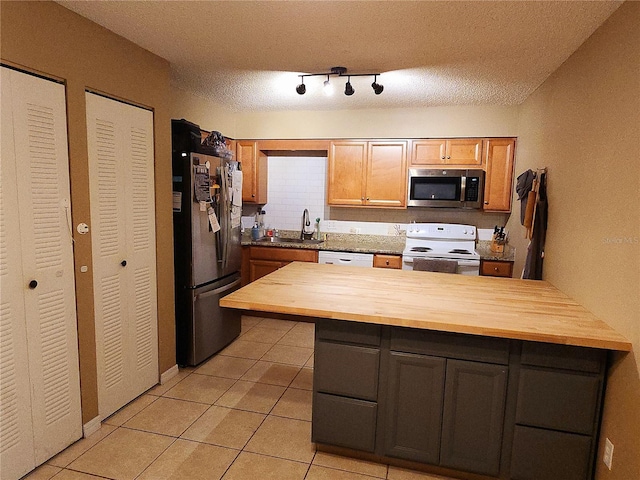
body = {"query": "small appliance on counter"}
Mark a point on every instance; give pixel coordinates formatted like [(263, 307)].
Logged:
[(442, 241), (207, 205), (498, 240)]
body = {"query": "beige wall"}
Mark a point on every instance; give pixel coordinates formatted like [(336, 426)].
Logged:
[(464, 121), (45, 38), (203, 112), (583, 123)]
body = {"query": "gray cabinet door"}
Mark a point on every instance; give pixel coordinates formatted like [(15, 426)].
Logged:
[(473, 416), (348, 370), (346, 422), (414, 408), (540, 454)]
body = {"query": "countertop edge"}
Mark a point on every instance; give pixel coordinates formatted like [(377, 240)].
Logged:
[(622, 346)]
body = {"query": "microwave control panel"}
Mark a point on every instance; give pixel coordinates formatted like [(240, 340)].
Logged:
[(471, 192)]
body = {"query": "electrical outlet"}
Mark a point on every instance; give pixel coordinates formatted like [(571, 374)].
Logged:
[(607, 458)]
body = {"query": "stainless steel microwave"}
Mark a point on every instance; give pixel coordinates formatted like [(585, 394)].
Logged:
[(448, 188)]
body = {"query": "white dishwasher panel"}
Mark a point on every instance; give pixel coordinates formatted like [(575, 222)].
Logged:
[(346, 258)]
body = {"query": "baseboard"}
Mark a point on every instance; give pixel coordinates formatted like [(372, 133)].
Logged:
[(168, 375), (92, 426)]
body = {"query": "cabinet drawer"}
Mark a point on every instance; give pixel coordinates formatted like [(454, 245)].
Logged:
[(284, 254), (558, 400), (547, 455), (348, 332), (387, 261), (496, 269), (566, 357), (451, 345), (347, 370), (344, 422)]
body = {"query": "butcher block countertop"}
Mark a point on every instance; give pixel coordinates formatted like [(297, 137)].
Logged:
[(528, 310)]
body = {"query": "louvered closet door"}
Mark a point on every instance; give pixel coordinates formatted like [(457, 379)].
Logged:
[(39, 330), (121, 166)]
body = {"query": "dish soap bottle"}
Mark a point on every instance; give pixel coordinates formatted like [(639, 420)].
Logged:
[(318, 229)]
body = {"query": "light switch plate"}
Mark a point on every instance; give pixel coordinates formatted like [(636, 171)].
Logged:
[(607, 458)]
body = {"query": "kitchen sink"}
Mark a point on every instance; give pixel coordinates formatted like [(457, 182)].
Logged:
[(288, 240)]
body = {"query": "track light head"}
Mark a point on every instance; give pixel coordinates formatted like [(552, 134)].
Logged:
[(348, 88), (377, 88), (327, 88), (302, 88)]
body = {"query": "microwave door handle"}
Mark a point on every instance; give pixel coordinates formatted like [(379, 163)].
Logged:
[(463, 188)]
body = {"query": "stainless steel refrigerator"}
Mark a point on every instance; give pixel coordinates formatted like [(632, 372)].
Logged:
[(207, 253)]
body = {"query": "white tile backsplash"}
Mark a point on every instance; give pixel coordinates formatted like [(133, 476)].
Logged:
[(295, 183)]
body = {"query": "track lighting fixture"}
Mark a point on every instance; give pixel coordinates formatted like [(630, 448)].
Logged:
[(340, 72), (377, 88)]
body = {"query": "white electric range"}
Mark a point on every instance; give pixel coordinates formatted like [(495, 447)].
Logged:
[(442, 241)]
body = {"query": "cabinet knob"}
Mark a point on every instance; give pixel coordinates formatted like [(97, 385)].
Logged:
[(486, 203), (495, 268), (387, 262), (361, 198), (253, 195), (448, 157), (367, 198), (442, 157), (123, 263), (33, 284)]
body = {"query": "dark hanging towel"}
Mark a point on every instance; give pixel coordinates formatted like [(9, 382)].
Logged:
[(535, 252), (523, 187)]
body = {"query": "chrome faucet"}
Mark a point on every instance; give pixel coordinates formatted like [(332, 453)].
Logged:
[(305, 223)]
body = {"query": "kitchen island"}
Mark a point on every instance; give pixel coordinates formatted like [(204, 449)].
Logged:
[(492, 377)]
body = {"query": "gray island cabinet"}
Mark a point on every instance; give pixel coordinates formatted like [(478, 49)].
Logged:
[(474, 377), (491, 406)]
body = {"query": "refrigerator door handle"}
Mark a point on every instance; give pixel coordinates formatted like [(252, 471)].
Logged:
[(220, 290), (225, 213)]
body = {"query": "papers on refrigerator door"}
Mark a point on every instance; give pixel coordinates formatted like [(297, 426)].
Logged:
[(213, 220), (236, 214), (236, 188)]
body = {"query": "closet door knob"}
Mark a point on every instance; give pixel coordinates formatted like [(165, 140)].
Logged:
[(123, 263), (33, 284)]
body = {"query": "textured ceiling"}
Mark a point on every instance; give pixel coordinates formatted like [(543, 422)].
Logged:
[(246, 55)]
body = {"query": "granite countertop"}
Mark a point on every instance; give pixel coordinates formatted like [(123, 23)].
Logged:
[(358, 243), (339, 242)]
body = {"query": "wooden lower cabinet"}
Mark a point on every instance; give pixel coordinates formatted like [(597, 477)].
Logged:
[(387, 261), (260, 268), (499, 408), (496, 268), (260, 261)]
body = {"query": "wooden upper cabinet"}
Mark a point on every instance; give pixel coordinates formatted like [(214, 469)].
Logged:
[(458, 151), (254, 172), (347, 168), (367, 174), (386, 181), (498, 182)]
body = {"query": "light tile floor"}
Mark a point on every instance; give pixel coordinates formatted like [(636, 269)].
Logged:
[(245, 414)]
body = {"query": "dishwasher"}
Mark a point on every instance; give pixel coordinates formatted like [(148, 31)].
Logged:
[(346, 258)]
